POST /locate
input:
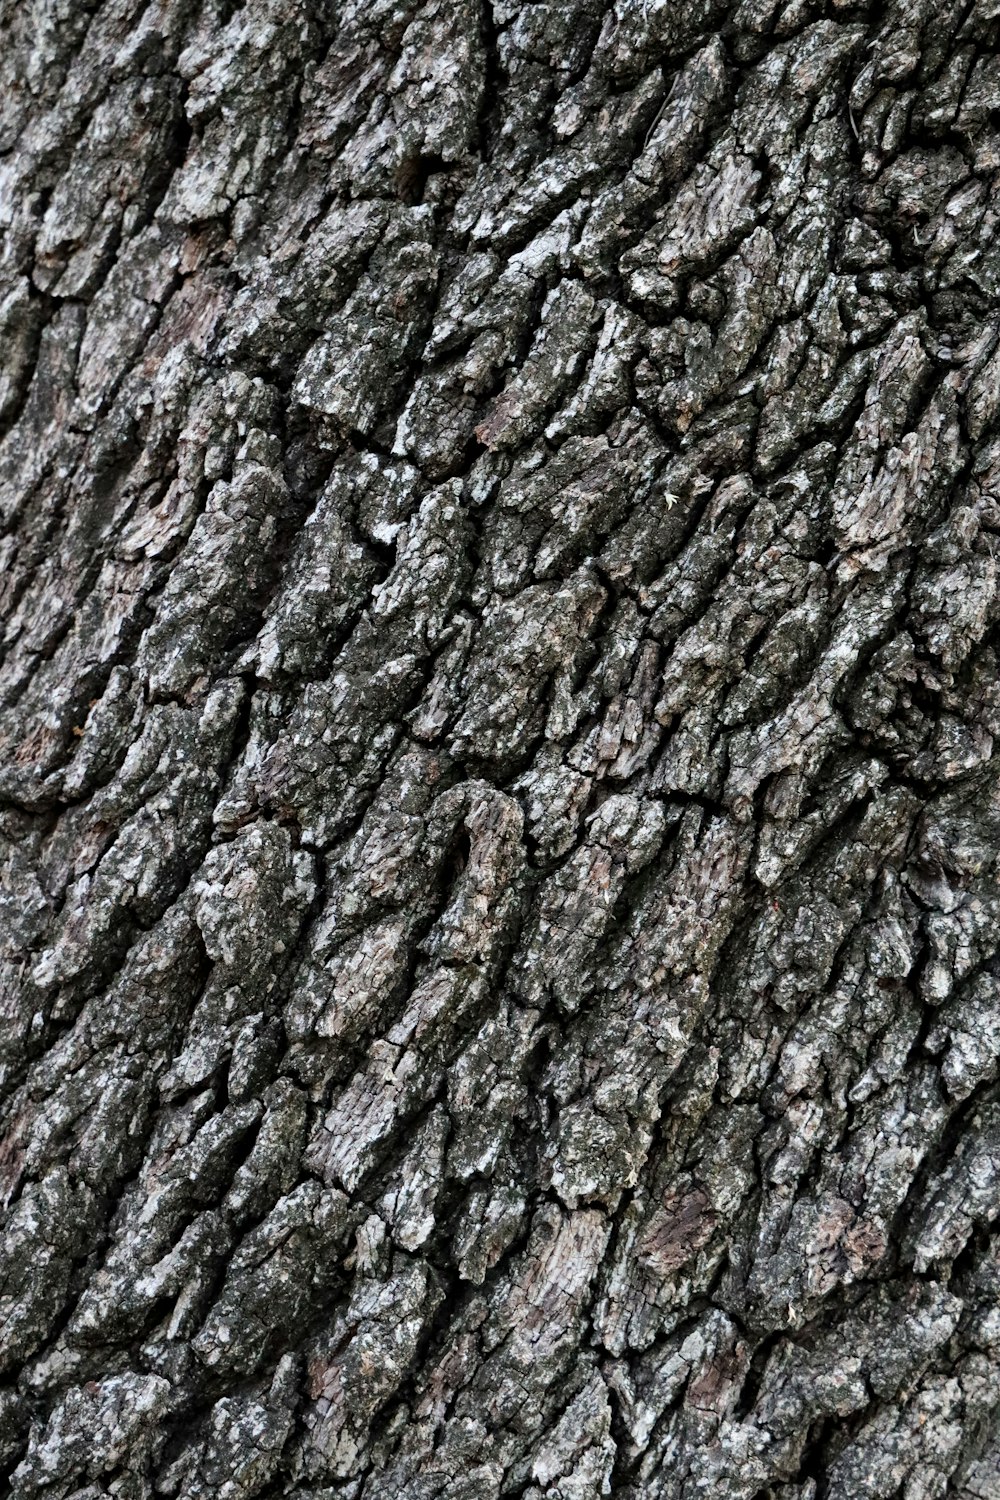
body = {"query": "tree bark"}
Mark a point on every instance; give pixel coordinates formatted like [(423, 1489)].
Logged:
[(500, 840)]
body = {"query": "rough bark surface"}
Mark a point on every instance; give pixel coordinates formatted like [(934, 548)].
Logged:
[(499, 979)]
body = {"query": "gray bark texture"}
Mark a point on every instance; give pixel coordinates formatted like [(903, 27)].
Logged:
[(500, 884)]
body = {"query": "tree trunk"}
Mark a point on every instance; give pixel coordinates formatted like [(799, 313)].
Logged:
[(500, 980)]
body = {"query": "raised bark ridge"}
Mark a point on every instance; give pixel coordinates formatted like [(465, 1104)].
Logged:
[(499, 979)]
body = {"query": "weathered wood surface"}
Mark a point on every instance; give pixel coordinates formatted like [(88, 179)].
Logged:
[(500, 896)]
